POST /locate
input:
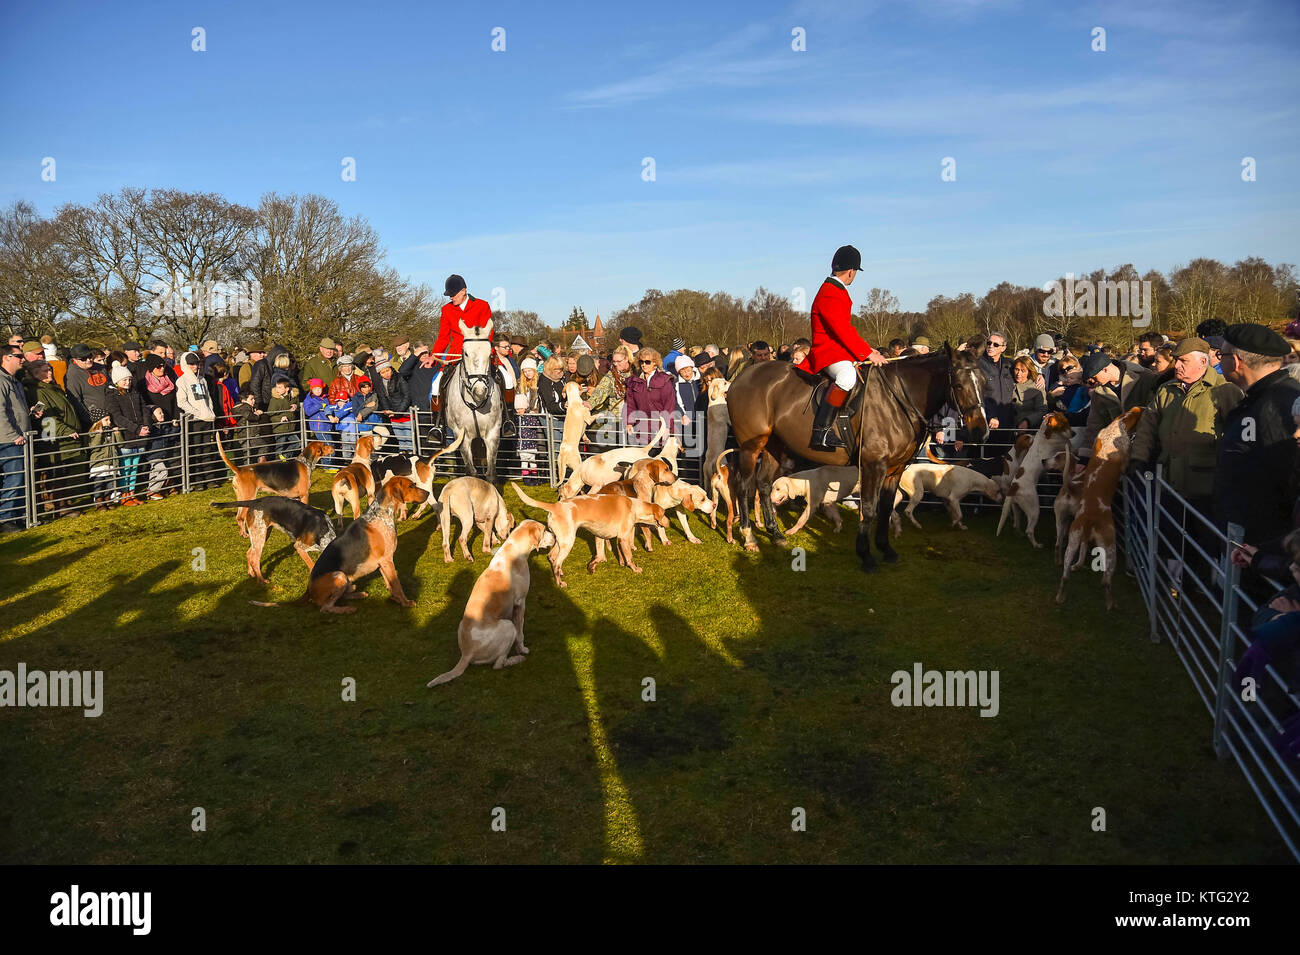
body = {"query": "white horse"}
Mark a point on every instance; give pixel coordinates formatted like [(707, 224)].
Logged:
[(472, 401)]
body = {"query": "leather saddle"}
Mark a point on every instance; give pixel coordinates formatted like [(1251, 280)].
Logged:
[(843, 422)]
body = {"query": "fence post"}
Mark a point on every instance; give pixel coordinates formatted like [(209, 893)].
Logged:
[(552, 478), (30, 510), (415, 431), (185, 453), (1231, 575), (1148, 482)]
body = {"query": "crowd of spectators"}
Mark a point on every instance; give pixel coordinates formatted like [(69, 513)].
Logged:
[(106, 422)]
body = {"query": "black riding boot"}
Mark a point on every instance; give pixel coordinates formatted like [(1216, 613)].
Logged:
[(508, 428), (438, 430), (824, 437)]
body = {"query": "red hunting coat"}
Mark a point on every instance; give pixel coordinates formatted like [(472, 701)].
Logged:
[(476, 315), (833, 336)]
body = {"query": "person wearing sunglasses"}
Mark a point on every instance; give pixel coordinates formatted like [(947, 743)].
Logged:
[(999, 385), (649, 399)]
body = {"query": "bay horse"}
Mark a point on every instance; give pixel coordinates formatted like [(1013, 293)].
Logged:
[(771, 414), (473, 401)]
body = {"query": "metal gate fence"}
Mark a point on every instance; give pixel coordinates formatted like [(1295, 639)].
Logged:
[(1197, 602), (1180, 560)]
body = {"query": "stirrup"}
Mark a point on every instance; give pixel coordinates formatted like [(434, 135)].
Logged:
[(825, 439), (508, 429)]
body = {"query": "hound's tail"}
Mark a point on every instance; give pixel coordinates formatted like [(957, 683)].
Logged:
[(449, 448), (663, 430), (222, 452), (461, 666), (523, 496), (938, 460), (254, 505), (717, 465)]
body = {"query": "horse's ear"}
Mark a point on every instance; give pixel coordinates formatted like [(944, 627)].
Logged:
[(488, 329), (464, 329)]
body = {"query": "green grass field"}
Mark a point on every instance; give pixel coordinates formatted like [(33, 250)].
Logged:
[(773, 692)]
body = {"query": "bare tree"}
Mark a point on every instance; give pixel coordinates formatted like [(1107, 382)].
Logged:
[(35, 273), (879, 315), (194, 241), (1200, 291), (107, 262), (950, 319), (520, 322)]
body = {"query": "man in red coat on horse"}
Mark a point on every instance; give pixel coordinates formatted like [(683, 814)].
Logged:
[(475, 313), (836, 345)]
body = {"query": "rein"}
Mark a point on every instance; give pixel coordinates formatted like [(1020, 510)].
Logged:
[(904, 399)]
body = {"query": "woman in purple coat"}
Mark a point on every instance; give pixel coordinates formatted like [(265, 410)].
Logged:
[(651, 400)]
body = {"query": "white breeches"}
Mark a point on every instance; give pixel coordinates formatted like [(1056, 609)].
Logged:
[(842, 373)]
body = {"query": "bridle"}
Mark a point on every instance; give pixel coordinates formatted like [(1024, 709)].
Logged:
[(975, 389), (468, 382), (915, 416)]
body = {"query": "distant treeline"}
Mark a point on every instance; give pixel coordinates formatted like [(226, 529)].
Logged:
[(192, 266)]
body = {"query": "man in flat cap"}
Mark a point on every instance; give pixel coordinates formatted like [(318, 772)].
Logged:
[(1115, 386), (321, 365), (1181, 427), (1253, 481), (836, 345), (475, 313), (404, 360)]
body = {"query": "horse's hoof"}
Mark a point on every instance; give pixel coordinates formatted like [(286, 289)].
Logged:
[(890, 558), (869, 568)]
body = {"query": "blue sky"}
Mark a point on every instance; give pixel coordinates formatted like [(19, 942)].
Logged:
[(523, 169)]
